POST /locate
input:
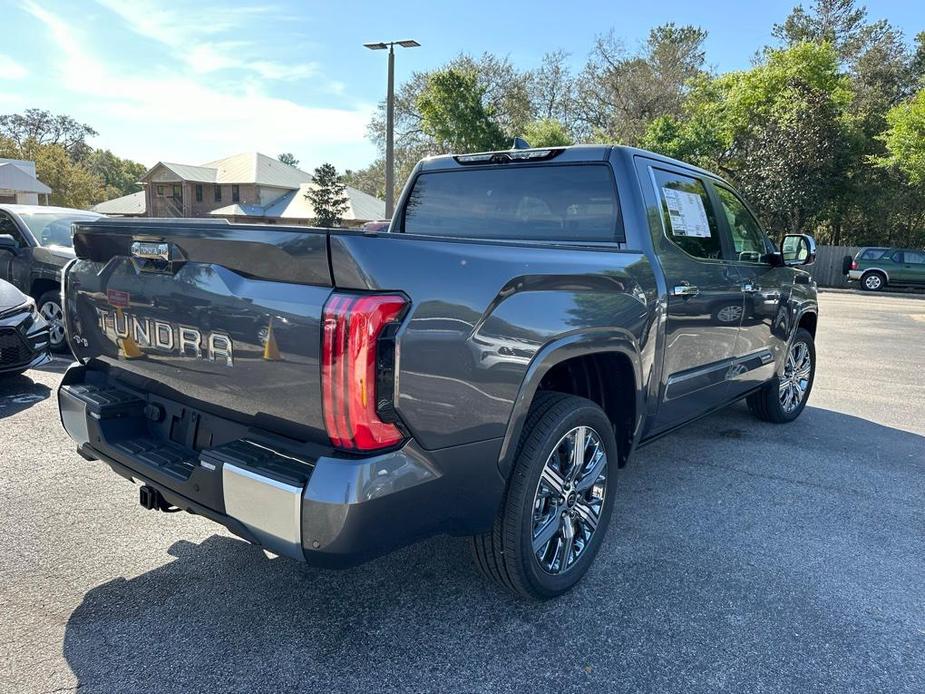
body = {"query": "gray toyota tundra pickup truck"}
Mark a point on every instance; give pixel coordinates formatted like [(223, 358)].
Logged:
[(481, 368)]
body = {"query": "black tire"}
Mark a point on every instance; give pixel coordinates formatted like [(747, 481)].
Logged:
[(873, 281), (505, 554), (49, 305), (766, 403)]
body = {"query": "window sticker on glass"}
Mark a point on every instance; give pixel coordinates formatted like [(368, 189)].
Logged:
[(688, 216)]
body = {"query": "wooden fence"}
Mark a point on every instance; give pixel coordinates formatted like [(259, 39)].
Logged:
[(827, 268)]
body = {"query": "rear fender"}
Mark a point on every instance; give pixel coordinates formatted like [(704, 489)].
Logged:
[(569, 346)]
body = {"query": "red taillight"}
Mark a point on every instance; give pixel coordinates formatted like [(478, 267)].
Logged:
[(854, 264), (352, 326)]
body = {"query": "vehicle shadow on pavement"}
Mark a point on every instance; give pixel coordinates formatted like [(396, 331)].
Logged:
[(58, 365), (793, 565), (18, 393)]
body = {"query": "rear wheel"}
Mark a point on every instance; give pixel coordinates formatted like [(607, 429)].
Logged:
[(783, 398), (559, 501), (50, 308), (873, 281)]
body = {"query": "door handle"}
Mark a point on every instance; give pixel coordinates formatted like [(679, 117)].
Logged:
[(684, 290)]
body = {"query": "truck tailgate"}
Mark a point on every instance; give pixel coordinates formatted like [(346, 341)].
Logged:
[(224, 317)]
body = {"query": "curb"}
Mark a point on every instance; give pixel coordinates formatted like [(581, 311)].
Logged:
[(898, 294)]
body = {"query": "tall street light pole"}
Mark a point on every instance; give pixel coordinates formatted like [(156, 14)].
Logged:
[(390, 119)]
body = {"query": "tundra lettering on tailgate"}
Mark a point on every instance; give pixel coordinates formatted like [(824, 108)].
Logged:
[(164, 336)]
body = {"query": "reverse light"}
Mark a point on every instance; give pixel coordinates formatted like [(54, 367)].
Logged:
[(352, 369)]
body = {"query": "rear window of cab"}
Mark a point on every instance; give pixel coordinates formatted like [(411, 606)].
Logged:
[(576, 202)]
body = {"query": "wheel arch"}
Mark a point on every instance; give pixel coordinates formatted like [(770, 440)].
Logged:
[(42, 285), (603, 366), (808, 320), (878, 270)]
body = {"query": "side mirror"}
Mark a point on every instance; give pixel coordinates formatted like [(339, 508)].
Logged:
[(8, 244), (798, 249)]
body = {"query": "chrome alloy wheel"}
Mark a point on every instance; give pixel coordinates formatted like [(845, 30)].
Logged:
[(873, 281), (798, 370), (51, 311), (569, 499)]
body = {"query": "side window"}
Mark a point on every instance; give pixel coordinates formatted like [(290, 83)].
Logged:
[(688, 216), (749, 241), (8, 226), (914, 257), (897, 257), (872, 254)]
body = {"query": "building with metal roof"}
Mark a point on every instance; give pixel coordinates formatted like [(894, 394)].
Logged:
[(19, 184), (294, 207), (247, 187), (132, 205)]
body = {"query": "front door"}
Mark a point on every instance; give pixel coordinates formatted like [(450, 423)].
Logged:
[(704, 302), (767, 289), (14, 267), (908, 267)]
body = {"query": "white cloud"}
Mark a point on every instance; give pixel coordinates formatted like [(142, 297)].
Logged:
[(165, 116), (10, 69), (192, 35)]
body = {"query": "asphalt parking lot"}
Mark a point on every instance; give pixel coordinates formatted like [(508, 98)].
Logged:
[(742, 557)]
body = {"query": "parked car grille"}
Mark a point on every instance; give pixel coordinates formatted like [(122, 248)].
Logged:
[(13, 350)]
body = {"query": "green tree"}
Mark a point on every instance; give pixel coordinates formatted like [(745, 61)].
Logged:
[(840, 23), (778, 130), (455, 116), (551, 89), (547, 132), (288, 158), (71, 183), (905, 139), (119, 176), (619, 93), (328, 196), (40, 127)]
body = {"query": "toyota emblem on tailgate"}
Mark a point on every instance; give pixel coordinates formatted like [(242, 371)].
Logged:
[(150, 250), (157, 256)]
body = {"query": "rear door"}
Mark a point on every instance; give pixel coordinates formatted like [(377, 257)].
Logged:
[(705, 302), (908, 267), (916, 262)]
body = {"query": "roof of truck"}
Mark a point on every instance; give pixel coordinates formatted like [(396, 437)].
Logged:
[(572, 153)]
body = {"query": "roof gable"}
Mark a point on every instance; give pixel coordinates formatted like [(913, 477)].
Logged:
[(14, 178), (185, 172), (244, 168), (260, 169), (133, 203)]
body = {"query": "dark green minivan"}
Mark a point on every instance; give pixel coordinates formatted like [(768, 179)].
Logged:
[(875, 268)]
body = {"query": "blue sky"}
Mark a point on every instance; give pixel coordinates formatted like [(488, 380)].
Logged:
[(195, 81)]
